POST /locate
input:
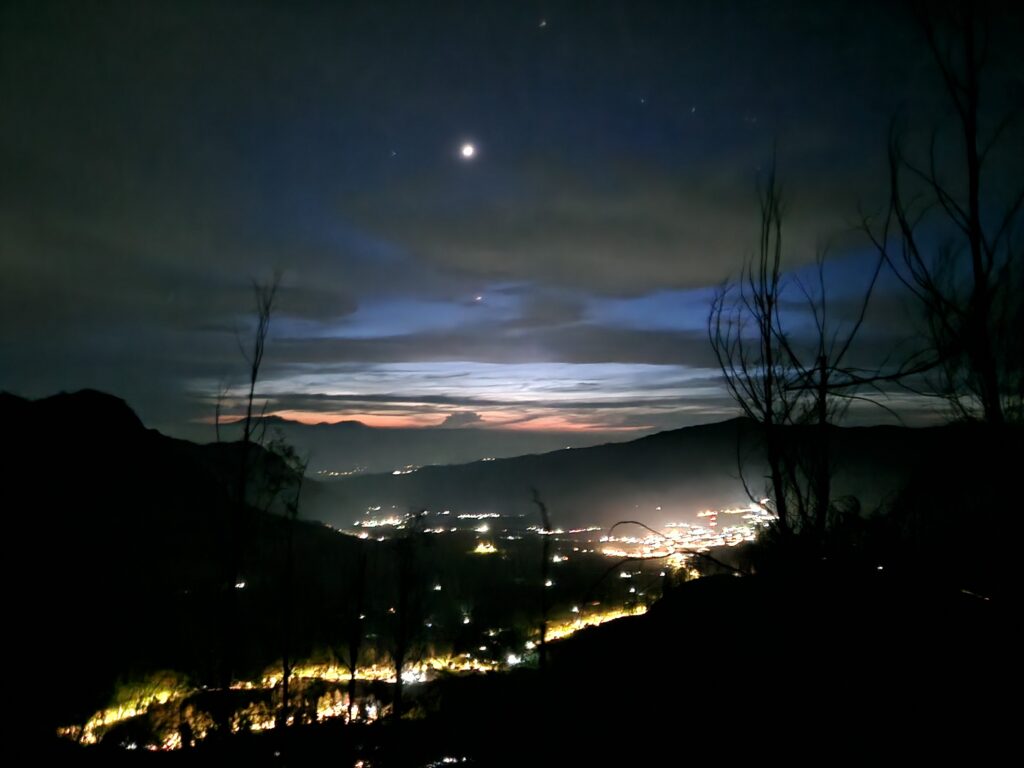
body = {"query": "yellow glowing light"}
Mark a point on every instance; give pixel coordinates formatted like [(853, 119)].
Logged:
[(260, 716), (559, 630)]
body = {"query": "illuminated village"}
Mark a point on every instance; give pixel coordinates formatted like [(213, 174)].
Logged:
[(321, 688)]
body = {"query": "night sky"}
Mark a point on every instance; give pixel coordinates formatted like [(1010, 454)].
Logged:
[(158, 157)]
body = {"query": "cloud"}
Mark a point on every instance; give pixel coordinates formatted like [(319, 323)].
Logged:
[(584, 343), (462, 419), (642, 230)]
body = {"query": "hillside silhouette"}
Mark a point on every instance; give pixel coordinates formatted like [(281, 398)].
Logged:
[(127, 530), (682, 471)]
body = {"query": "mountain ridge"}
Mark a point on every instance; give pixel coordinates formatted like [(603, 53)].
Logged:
[(668, 476)]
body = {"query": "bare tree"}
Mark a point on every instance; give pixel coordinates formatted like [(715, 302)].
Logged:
[(744, 327), (545, 570), (950, 243), (793, 386), (264, 294), (286, 477), (222, 393), (407, 612), (354, 626), (828, 385)]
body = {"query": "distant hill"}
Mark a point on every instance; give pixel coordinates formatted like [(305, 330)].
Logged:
[(351, 446), (681, 472)]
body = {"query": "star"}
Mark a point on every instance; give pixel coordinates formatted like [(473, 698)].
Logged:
[(468, 151)]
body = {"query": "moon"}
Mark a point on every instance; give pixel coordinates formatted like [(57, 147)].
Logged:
[(468, 151)]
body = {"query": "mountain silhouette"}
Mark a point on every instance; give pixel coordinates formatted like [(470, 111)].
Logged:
[(666, 477)]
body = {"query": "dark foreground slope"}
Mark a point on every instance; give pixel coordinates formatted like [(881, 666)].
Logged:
[(831, 668), (116, 563), (830, 665)]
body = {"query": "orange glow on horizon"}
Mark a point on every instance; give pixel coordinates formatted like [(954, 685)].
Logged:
[(497, 421), (369, 419)]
